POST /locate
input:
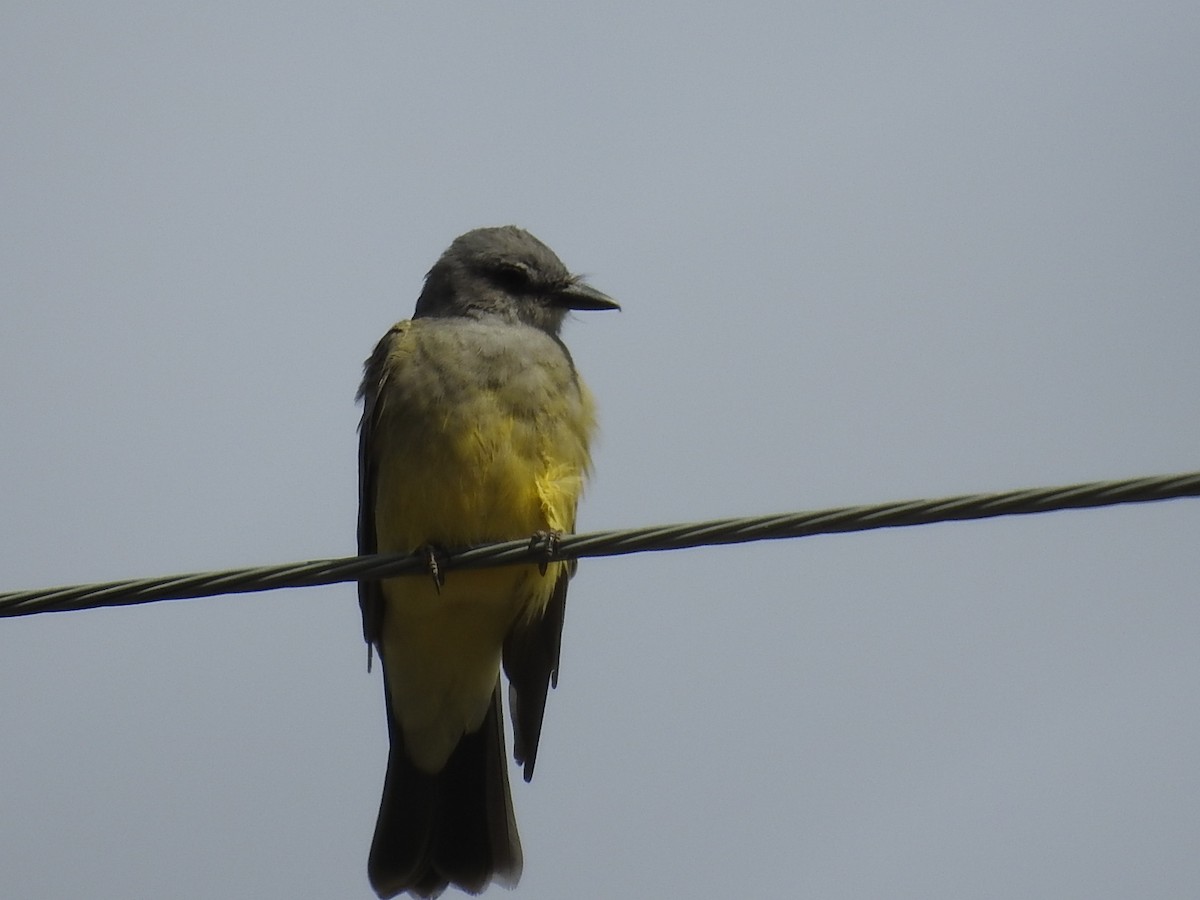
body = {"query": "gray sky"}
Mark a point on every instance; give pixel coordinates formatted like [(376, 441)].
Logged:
[(866, 251)]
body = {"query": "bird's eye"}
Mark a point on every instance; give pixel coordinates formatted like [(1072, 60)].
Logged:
[(512, 276)]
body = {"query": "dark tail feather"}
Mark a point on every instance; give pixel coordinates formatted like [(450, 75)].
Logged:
[(456, 827)]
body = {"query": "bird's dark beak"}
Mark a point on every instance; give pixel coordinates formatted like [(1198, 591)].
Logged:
[(578, 295)]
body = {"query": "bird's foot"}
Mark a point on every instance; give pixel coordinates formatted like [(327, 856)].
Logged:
[(433, 563), (546, 544)]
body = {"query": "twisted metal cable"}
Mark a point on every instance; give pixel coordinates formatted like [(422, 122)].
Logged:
[(542, 548)]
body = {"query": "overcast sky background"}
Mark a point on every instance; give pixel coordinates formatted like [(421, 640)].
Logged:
[(866, 252)]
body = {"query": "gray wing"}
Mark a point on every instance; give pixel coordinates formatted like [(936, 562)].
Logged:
[(531, 653), (370, 593)]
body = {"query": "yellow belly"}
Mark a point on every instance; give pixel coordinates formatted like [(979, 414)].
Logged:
[(498, 479)]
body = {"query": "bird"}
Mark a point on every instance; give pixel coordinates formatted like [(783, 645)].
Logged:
[(475, 427)]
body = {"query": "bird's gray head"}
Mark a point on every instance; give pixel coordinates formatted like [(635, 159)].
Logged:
[(505, 272)]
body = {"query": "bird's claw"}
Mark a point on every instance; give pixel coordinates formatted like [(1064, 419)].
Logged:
[(546, 544), (433, 557)]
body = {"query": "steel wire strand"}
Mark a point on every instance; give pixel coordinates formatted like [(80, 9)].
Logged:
[(541, 549)]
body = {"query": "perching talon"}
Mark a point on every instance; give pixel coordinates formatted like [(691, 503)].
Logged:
[(547, 543), (433, 555)]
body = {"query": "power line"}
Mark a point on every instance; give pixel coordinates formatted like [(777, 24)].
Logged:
[(541, 549)]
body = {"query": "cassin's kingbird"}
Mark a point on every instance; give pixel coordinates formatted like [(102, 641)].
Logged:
[(475, 428)]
